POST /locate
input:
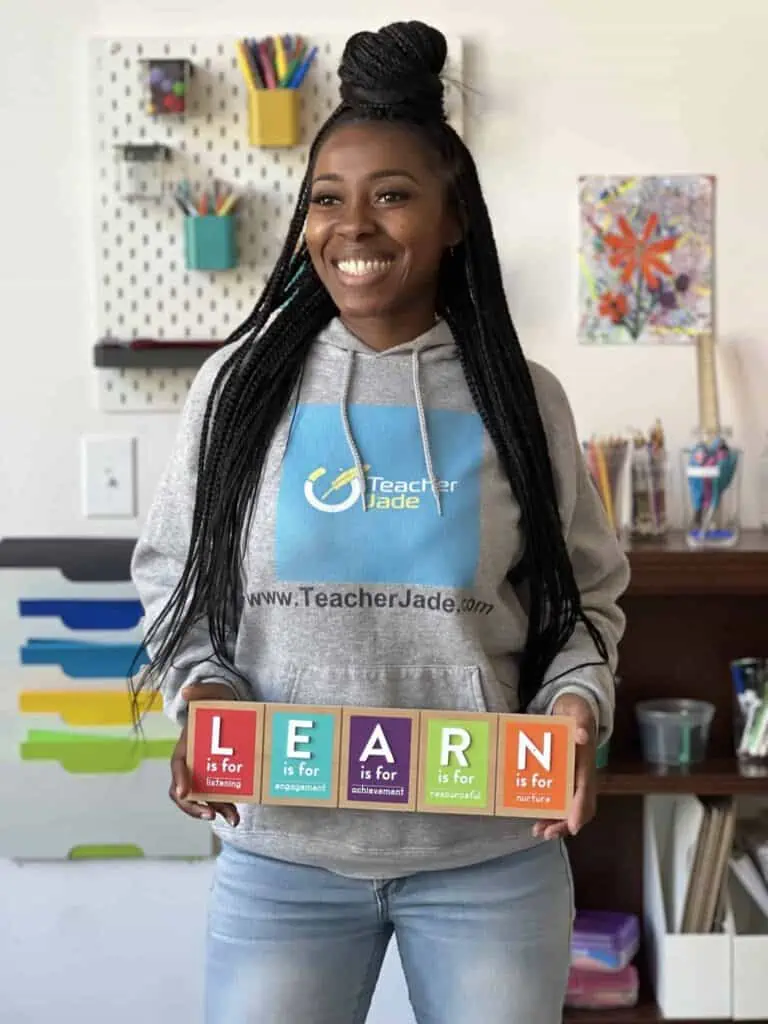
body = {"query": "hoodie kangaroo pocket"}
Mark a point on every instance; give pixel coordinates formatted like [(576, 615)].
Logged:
[(431, 687)]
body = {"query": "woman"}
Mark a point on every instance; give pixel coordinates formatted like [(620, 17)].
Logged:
[(379, 364)]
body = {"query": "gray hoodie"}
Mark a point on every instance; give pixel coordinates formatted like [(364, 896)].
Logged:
[(387, 594)]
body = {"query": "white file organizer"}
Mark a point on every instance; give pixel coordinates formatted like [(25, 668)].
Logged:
[(692, 975), (749, 955)]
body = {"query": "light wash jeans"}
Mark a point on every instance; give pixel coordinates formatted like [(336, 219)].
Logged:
[(488, 944)]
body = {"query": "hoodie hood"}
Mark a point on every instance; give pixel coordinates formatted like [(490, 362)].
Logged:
[(436, 344)]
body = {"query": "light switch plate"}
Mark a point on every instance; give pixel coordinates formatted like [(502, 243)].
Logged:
[(109, 477)]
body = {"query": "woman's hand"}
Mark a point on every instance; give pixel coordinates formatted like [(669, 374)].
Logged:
[(180, 781), (585, 796)]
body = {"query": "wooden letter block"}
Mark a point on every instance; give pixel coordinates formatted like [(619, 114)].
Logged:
[(535, 766), (457, 762), (224, 751), (301, 755), (379, 759)]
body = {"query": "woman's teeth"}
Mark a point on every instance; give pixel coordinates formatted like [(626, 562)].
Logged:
[(363, 268)]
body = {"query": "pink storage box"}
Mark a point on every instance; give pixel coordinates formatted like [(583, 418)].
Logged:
[(596, 990)]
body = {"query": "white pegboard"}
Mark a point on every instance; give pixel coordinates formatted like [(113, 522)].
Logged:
[(143, 288)]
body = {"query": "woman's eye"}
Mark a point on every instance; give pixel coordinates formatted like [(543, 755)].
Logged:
[(392, 196), (324, 199)]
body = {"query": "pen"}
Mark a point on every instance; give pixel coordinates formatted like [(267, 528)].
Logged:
[(227, 205), (301, 72)]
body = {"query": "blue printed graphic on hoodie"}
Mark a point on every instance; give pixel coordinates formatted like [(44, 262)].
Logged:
[(421, 520)]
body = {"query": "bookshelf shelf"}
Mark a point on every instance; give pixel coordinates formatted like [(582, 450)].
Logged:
[(715, 777), (644, 1013), (689, 613), (670, 568)]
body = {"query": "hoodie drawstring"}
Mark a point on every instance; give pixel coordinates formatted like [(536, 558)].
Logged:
[(348, 431), (425, 445), (424, 432)]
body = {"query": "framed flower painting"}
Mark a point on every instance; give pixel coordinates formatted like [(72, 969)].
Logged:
[(645, 259)]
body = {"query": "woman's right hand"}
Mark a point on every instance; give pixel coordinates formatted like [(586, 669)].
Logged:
[(180, 780)]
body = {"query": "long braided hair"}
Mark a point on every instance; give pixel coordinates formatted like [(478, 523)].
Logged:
[(392, 75)]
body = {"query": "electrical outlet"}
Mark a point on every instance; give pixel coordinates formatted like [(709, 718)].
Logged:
[(109, 477)]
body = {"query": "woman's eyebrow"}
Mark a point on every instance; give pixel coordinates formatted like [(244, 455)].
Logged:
[(373, 176)]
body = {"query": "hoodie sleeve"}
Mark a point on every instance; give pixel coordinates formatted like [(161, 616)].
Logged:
[(161, 550), (600, 566)]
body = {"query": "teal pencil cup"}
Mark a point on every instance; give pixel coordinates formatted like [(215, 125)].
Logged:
[(210, 242)]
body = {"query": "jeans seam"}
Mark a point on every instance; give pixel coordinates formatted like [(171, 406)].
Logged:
[(369, 978)]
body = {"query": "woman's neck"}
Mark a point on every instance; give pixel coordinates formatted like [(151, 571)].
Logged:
[(382, 333)]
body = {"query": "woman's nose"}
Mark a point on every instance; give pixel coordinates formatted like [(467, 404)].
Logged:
[(355, 220)]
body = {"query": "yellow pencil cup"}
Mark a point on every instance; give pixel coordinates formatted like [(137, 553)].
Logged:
[(273, 117)]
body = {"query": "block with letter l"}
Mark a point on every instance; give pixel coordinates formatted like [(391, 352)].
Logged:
[(224, 751)]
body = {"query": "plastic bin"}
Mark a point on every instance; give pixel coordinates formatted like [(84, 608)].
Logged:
[(674, 732), (602, 990), (604, 940)]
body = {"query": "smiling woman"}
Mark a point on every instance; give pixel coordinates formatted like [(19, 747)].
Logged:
[(375, 187), (375, 500)]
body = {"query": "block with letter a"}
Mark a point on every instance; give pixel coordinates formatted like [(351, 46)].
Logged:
[(301, 755), (224, 754), (535, 766), (379, 759)]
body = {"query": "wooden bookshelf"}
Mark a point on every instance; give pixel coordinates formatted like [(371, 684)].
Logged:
[(715, 777), (647, 1013), (670, 567), (689, 613)]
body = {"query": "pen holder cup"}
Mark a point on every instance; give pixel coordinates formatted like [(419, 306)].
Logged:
[(273, 117), (210, 243), (749, 677), (712, 471)]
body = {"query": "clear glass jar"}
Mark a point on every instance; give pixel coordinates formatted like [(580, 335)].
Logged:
[(650, 480), (712, 468), (750, 719), (762, 487)]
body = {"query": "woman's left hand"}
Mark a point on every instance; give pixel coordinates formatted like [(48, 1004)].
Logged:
[(585, 776)]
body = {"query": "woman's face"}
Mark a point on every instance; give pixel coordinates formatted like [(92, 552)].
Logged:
[(378, 223)]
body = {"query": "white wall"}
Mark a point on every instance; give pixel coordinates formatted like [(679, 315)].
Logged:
[(561, 88)]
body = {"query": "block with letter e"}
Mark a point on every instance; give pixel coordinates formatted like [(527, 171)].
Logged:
[(224, 751), (301, 755), (535, 766)]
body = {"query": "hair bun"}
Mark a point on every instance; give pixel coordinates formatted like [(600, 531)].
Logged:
[(395, 73)]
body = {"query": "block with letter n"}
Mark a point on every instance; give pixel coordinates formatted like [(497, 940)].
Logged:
[(535, 766)]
